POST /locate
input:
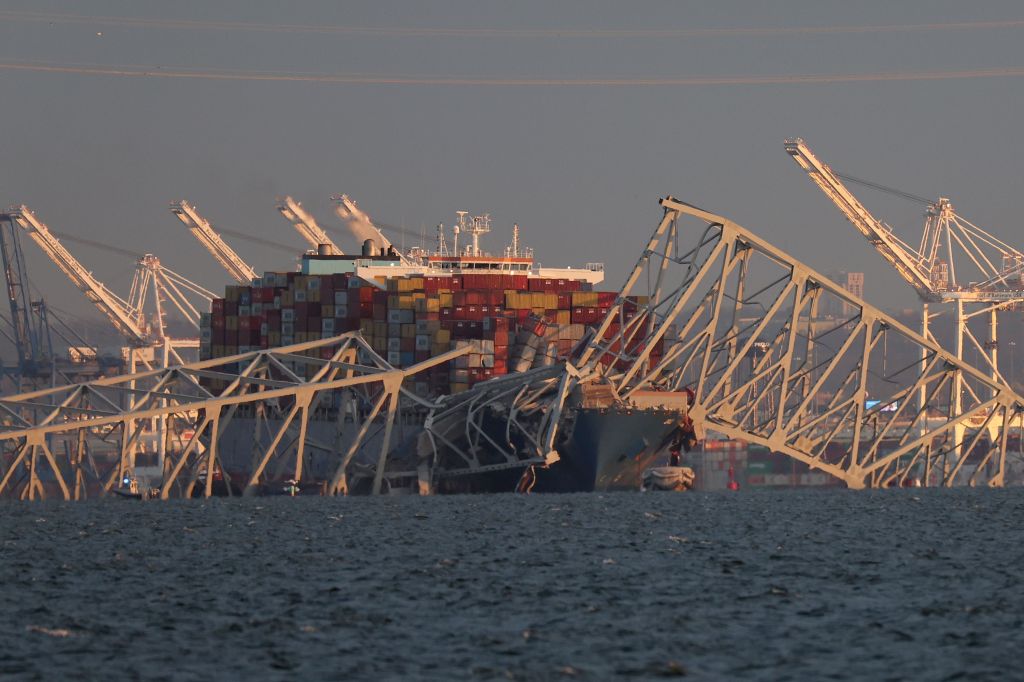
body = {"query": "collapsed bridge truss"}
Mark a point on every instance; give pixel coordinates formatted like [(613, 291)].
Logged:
[(771, 352), (714, 327), (89, 436)]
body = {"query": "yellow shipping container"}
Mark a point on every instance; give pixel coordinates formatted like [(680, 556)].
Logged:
[(287, 298), (405, 302), (380, 328), (416, 284), (584, 299), (433, 305), (563, 317), (313, 295), (443, 336), (273, 339), (327, 310), (366, 327), (299, 282), (439, 348), (420, 305), (550, 301), (445, 299), (393, 300), (459, 388), (408, 331)]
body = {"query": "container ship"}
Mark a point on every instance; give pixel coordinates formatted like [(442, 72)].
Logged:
[(512, 314)]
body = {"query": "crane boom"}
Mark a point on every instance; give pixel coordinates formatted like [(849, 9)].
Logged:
[(225, 255), (358, 221), (110, 304), (906, 263), (306, 224)]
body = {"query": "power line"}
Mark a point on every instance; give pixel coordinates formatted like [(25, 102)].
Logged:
[(485, 32), (659, 81)]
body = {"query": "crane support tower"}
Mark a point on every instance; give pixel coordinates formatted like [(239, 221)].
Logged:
[(306, 225), (214, 243)]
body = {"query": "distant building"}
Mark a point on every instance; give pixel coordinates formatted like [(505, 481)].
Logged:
[(852, 282)]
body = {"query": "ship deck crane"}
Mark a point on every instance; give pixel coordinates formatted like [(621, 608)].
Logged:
[(241, 271), (306, 224)]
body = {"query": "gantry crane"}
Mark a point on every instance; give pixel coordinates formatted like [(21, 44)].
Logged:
[(305, 224), (225, 255), (931, 269), (362, 227), (27, 332), (140, 318)]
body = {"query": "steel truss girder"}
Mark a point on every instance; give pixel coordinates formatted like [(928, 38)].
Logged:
[(769, 367), (742, 325), (111, 416)]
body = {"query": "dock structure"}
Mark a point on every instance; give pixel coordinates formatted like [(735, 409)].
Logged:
[(714, 329)]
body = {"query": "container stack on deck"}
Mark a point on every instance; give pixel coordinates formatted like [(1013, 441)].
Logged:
[(511, 323)]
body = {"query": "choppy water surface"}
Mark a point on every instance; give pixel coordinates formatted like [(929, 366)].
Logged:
[(757, 585)]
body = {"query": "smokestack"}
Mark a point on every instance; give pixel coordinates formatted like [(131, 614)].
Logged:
[(369, 248)]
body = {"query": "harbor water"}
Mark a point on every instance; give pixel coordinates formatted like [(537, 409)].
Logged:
[(759, 585)]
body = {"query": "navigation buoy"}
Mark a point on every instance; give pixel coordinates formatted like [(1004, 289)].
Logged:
[(732, 485)]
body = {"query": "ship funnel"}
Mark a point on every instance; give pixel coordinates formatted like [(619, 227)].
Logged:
[(369, 248)]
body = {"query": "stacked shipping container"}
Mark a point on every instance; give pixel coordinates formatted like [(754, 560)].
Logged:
[(509, 322)]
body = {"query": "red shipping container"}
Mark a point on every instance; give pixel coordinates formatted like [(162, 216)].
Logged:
[(217, 306), (366, 294), (230, 337), (217, 322), (230, 308), (455, 282), (313, 324)]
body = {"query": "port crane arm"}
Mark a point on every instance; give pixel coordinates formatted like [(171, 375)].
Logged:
[(359, 222), (225, 255), (110, 304), (305, 224), (892, 249)]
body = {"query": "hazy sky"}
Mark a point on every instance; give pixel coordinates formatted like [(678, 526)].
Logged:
[(531, 111)]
